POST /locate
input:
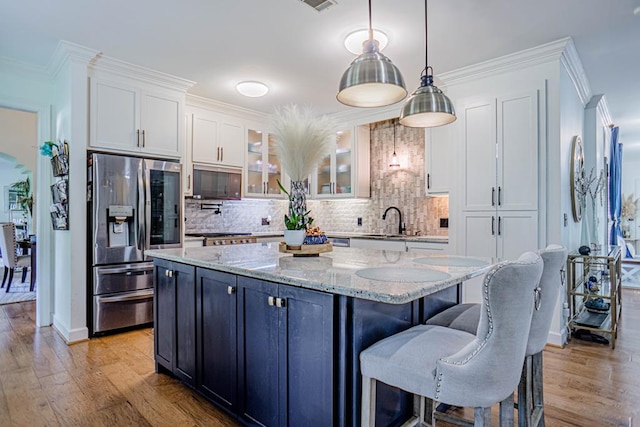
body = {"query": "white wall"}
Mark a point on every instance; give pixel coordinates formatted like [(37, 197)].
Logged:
[(29, 88)]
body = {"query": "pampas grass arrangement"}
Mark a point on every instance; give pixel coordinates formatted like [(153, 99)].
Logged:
[(301, 139)]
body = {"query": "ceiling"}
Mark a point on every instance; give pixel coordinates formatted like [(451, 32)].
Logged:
[(299, 53)]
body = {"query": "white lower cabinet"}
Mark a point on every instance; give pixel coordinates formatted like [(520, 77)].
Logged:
[(428, 247), (383, 245), (501, 234)]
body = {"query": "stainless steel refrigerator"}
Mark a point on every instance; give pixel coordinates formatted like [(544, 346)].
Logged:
[(133, 204)]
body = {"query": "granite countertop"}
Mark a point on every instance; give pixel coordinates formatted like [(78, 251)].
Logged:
[(384, 276), (372, 236)]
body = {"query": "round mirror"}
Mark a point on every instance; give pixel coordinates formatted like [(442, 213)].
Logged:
[(577, 178)]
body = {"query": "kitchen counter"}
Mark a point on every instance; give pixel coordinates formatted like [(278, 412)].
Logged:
[(398, 278)]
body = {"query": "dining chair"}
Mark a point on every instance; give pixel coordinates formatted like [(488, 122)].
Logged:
[(10, 259), (466, 317), (457, 368)]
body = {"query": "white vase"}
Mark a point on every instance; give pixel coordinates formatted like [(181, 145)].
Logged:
[(294, 237)]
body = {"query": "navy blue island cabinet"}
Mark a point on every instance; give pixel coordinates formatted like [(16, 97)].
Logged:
[(272, 354)]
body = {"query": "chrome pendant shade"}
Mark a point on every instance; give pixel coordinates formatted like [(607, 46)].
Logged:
[(427, 106), (371, 80)]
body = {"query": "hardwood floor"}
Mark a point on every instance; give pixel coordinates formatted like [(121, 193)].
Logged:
[(110, 381)]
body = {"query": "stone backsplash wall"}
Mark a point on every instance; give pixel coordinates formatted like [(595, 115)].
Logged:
[(403, 187)]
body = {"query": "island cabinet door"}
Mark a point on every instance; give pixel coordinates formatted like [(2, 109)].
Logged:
[(164, 310), (217, 348), (175, 313), (259, 398), (307, 357)]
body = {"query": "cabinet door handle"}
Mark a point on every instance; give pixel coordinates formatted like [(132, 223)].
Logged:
[(138, 137), (144, 139), (217, 154), (499, 226), (280, 302), (271, 301), (189, 182), (499, 196), (428, 181), (168, 273), (222, 154), (493, 196), (493, 225), (231, 290)]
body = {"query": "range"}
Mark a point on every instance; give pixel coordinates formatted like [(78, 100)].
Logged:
[(216, 239)]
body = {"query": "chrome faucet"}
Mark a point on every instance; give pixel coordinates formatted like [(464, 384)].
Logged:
[(401, 228)]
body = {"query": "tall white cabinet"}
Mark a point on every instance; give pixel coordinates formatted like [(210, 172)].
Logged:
[(135, 110), (500, 144)]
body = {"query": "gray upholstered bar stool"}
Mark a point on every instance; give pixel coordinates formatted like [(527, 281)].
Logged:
[(465, 317), (455, 367)]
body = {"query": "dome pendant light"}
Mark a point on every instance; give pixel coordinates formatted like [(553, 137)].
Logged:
[(427, 106), (371, 80), (395, 163)]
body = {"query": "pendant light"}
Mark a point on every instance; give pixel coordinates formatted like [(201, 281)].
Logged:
[(395, 163), (371, 80), (427, 106)]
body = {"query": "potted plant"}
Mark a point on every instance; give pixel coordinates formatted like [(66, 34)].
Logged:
[(301, 140)]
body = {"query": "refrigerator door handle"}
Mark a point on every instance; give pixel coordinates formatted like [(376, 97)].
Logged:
[(147, 204), (142, 234)]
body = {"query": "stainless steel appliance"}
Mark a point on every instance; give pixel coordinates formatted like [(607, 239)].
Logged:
[(216, 183), (133, 204), (217, 239)]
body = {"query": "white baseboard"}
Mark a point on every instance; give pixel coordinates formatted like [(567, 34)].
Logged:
[(557, 339), (70, 336)]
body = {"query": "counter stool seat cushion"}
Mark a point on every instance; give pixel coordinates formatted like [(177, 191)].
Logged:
[(408, 359)]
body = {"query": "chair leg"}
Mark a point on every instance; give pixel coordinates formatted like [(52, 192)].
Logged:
[(24, 274), (4, 278), (506, 411), (537, 416), (482, 417), (368, 404), (524, 394), (10, 278)]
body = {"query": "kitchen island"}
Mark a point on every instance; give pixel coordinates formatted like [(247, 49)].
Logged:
[(275, 340)]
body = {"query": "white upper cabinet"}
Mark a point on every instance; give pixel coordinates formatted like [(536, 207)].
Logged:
[(438, 143), (217, 139), (263, 164), (500, 137), (135, 118), (345, 171)]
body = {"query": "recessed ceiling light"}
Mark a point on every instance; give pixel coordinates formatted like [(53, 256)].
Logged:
[(636, 11), (353, 41), (252, 89)]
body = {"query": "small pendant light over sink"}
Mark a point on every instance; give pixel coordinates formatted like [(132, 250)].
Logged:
[(395, 163), (427, 106), (371, 80)]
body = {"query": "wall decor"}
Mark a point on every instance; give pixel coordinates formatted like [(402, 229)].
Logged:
[(59, 210), (577, 178)]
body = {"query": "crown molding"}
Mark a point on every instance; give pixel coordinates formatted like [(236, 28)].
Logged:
[(224, 108), (67, 51), (562, 50), (571, 62), (368, 115), (128, 70), (19, 67), (599, 102)]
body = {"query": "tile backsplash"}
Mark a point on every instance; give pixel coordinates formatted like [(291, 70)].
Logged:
[(403, 187)]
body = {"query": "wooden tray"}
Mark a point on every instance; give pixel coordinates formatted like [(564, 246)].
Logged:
[(305, 250)]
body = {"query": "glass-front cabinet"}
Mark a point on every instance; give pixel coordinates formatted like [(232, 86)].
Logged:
[(263, 165), (334, 177)]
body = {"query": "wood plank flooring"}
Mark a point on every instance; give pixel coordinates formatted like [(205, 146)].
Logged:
[(110, 381)]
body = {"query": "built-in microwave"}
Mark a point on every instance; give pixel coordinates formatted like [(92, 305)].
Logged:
[(216, 183)]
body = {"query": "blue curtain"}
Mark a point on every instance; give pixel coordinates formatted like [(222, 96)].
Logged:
[(615, 190)]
